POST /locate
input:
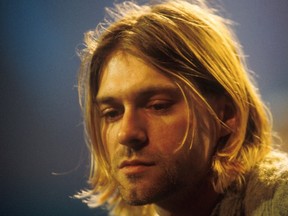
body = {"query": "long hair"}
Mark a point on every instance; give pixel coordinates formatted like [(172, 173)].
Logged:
[(195, 46)]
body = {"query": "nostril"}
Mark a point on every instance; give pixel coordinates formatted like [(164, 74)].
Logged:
[(137, 144), (135, 139)]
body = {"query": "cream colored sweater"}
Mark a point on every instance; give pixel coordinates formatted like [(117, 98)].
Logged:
[(265, 192)]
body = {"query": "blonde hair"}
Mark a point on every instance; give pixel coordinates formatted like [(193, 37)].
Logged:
[(193, 44)]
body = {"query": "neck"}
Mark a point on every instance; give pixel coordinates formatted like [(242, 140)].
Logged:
[(200, 201)]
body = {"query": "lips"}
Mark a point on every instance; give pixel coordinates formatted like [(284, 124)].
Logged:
[(135, 163), (135, 168)]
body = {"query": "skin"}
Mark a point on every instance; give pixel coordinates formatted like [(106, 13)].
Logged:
[(144, 118)]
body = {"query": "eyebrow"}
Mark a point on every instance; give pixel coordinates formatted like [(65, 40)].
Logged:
[(147, 92)]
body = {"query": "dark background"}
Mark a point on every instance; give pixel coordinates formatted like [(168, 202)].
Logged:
[(43, 158)]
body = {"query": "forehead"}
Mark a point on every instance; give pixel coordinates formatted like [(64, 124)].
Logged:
[(125, 74)]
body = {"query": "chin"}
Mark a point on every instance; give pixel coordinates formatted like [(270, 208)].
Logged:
[(138, 196)]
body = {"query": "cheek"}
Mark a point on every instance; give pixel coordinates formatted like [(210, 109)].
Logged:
[(168, 134), (109, 138)]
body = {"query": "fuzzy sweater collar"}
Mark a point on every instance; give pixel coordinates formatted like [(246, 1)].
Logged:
[(265, 191)]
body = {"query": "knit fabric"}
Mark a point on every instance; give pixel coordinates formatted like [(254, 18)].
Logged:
[(265, 192)]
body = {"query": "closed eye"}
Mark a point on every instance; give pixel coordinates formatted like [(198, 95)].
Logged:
[(160, 106), (110, 114)]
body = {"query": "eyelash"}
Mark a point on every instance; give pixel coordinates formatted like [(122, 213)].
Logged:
[(110, 114), (159, 107), (162, 106)]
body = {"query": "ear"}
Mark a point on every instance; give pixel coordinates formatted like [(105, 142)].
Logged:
[(227, 116)]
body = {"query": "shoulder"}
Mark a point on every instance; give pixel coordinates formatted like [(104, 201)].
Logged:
[(267, 186), (265, 191)]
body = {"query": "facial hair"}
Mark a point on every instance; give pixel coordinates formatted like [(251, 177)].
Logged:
[(141, 189)]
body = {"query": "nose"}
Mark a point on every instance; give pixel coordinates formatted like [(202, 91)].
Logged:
[(132, 132)]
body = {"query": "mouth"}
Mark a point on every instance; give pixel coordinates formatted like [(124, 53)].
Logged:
[(135, 166)]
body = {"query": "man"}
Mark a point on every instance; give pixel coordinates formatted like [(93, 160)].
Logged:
[(174, 122)]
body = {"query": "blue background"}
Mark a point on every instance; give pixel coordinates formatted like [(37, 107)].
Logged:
[(43, 158)]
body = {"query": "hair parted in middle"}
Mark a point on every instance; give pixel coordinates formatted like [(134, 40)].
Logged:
[(192, 44)]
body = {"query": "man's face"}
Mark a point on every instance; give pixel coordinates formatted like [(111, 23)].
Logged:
[(144, 118)]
